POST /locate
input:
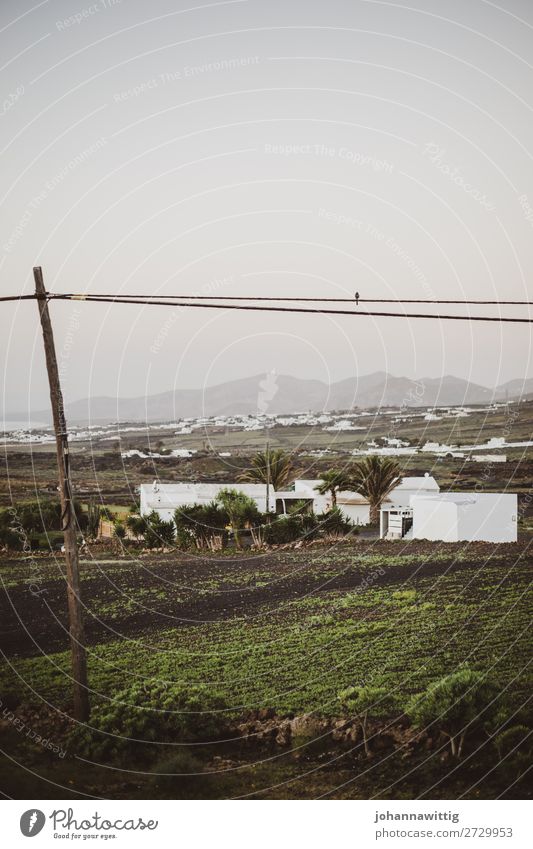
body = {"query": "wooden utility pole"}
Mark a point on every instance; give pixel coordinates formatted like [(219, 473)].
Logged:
[(68, 517), (267, 458)]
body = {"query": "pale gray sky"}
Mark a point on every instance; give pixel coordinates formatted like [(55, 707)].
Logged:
[(263, 147)]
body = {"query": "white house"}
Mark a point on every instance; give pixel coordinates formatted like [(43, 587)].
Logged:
[(410, 486), (355, 506), (165, 498), (453, 517), (415, 509)]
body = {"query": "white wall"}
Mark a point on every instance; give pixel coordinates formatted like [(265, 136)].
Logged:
[(306, 488), (401, 496), (142, 508), (166, 515), (492, 518), (169, 498), (434, 520), (475, 517), (358, 513)]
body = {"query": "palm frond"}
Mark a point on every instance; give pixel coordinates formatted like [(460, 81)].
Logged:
[(272, 466)]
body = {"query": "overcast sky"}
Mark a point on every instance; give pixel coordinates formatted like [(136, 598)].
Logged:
[(263, 147)]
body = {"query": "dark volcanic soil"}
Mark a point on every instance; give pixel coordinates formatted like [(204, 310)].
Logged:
[(127, 598)]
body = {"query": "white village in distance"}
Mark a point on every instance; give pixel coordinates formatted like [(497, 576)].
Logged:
[(416, 508)]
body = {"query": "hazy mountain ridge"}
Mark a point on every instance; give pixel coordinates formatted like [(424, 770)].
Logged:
[(283, 394)]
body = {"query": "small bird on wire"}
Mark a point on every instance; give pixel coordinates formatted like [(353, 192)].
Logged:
[(357, 298)]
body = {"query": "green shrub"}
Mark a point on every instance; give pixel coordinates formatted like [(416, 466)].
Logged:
[(361, 703), (153, 711), (455, 704), (300, 525), (280, 532), (514, 740), (515, 752), (291, 528), (334, 523), (136, 524), (200, 525), (119, 530), (158, 532), (39, 516)]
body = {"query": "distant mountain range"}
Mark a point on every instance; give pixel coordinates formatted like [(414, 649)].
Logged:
[(281, 394)]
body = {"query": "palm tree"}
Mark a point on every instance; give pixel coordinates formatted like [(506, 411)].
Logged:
[(241, 510), (374, 477), (333, 481), (270, 467)]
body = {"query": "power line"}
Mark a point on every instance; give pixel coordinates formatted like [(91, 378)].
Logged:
[(19, 298), (152, 301), (199, 302), (281, 298), (313, 300)]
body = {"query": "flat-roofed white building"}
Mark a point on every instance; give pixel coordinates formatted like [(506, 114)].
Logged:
[(457, 516), (453, 517), (165, 498)]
